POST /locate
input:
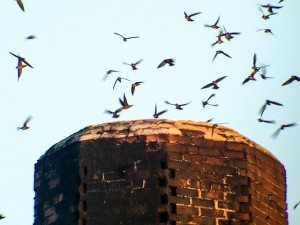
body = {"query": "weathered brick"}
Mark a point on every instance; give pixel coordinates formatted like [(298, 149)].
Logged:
[(187, 192), (181, 209), (203, 202), (209, 151), (204, 221), (215, 161), (234, 154), (208, 213), (179, 199)]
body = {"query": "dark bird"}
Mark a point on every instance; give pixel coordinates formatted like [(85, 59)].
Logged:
[(115, 114), (209, 120), (119, 79), (295, 206), (276, 133), (166, 61), (268, 103), (30, 37), (267, 31), (109, 72), (189, 17), (20, 67), (265, 121), (215, 25), (271, 7), (133, 65), (204, 103), (291, 79), (21, 58), (219, 39), (177, 106), (1, 217), (214, 83), (25, 124), (266, 16), (250, 77), (229, 35), (220, 52), (255, 69), (134, 85), (126, 38), (263, 74), (157, 114), (124, 102), (20, 3)]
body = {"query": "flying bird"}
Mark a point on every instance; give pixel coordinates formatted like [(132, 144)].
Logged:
[(133, 65), (109, 72), (124, 102), (20, 3), (115, 114), (265, 121), (166, 61), (189, 17), (220, 52), (295, 206), (214, 83), (21, 58), (267, 31), (263, 74), (268, 103), (229, 35), (276, 133), (30, 37), (219, 39), (1, 217), (271, 7), (126, 38), (209, 120), (157, 114), (177, 106), (25, 124), (215, 25), (291, 79), (266, 16), (204, 103), (20, 67), (119, 79), (134, 85)]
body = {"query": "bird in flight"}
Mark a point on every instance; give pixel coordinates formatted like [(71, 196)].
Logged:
[(109, 72), (20, 67), (20, 3), (124, 102), (265, 121), (189, 17), (263, 74), (177, 106), (157, 114), (266, 16), (1, 217), (115, 114), (267, 31), (204, 103), (276, 133), (295, 206), (271, 7), (215, 25), (268, 103), (214, 83), (229, 35), (133, 65), (166, 61), (30, 37), (220, 52), (291, 79), (219, 39), (134, 85), (21, 58), (25, 124), (126, 38), (119, 79)]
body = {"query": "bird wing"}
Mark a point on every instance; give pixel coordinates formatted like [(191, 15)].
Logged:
[(206, 25), (217, 21), (186, 15), (108, 111), (184, 104), (155, 109), (289, 125), (277, 7), (207, 86), (119, 35), (261, 11), (254, 60), (123, 78), (125, 99), (194, 14), (169, 103), (27, 120), (24, 61), (138, 61), (226, 54), (275, 103), (215, 56), (125, 63), (288, 81), (20, 3), (246, 80), (212, 95), (115, 83), (119, 110), (133, 37), (276, 133), (161, 112), (297, 78), (162, 64), (219, 79), (121, 102), (295, 206), (133, 88), (262, 109), (15, 55)]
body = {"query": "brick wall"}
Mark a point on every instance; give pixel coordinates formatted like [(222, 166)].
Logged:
[(160, 172)]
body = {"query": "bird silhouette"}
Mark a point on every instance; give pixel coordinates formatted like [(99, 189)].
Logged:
[(266, 30), (266, 16), (20, 67), (271, 7), (157, 114), (126, 38), (209, 120), (219, 39), (177, 106), (204, 103), (1, 217), (214, 84), (134, 85), (215, 25), (166, 61), (276, 133), (108, 73), (268, 103), (290, 80), (133, 65), (119, 79), (124, 102), (21, 58), (189, 17), (25, 124), (265, 121), (20, 3), (229, 35), (218, 52), (30, 37), (115, 114)]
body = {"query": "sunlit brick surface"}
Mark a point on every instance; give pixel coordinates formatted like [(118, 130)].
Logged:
[(159, 172)]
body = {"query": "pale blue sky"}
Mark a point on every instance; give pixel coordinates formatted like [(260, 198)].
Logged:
[(75, 46)]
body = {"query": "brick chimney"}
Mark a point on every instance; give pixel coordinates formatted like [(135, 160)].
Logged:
[(151, 172)]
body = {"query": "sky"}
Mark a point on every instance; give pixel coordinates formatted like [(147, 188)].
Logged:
[(76, 45)]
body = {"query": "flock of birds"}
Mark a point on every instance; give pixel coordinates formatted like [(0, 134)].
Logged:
[(267, 11)]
